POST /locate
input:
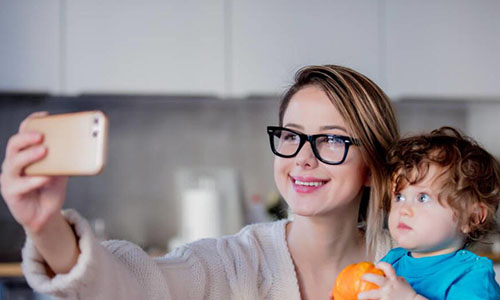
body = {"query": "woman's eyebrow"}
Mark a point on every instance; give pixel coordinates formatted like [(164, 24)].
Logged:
[(293, 125), (330, 127), (326, 127)]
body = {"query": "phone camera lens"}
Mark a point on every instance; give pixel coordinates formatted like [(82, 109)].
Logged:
[(95, 133), (96, 120)]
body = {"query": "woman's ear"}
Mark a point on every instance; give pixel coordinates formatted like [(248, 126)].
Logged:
[(478, 216), (368, 178)]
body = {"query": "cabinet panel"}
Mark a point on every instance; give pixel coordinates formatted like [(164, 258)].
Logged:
[(443, 48), (145, 46), (270, 40), (29, 45)]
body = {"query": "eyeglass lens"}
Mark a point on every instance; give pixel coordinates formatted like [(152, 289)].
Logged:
[(329, 147)]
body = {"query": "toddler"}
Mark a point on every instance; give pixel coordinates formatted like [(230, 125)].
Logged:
[(444, 193)]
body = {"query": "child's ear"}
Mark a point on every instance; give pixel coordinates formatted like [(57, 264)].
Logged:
[(479, 214)]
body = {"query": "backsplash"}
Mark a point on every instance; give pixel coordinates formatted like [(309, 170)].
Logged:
[(152, 137)]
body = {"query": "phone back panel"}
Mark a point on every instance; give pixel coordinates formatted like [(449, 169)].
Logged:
[(76, 143)]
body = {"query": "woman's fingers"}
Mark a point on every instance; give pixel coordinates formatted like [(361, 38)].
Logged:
[(22, 141), (26, 185), (13, 184), (16, 163), (37, 114), (388, 270)]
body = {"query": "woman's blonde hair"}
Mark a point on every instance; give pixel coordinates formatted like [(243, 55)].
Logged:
[(371, 118)]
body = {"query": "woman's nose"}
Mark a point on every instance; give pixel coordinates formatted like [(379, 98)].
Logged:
[(306, 157)]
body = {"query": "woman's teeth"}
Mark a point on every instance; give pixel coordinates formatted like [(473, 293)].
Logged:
[(309, 183)]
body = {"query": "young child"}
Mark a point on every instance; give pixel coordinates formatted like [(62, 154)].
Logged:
[(445, 190)]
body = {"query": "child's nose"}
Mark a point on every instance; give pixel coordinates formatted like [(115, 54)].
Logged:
[(406, 210)]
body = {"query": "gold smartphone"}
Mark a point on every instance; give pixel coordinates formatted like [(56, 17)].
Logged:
[(76, 144)]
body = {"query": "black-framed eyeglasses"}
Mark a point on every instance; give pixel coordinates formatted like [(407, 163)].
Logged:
[(328, 148)]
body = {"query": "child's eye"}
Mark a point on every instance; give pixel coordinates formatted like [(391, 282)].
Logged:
[(423, 198), (399, 198)]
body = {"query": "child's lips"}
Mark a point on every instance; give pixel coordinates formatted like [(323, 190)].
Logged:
[(403, 226)]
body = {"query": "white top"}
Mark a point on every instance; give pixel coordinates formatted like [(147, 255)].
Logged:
[(253, 264)]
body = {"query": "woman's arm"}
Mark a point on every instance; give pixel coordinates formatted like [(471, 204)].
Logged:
[(57, 244), (99, 273), (36, 201)]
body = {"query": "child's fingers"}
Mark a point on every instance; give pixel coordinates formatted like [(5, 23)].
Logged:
[(370, 295), (38, 114), (374, 278), (388, 270)]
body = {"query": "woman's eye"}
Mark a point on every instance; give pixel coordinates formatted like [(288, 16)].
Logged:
[(399, 198), (290, 137), (423, 198), (331, 140)]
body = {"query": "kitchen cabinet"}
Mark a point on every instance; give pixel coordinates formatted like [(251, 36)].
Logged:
[(412, 49), (442, 48), (153, 47), (270, 40), (30, 46)]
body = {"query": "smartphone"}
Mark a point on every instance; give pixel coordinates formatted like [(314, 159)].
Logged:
[(76, 144)]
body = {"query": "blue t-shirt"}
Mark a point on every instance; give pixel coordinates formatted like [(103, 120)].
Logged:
[(457, 275)]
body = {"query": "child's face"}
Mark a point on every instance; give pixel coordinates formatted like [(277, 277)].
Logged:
[(419, 223)]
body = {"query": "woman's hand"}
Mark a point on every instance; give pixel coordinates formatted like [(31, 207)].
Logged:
[(32, 200), (390, 287), (36, 201)]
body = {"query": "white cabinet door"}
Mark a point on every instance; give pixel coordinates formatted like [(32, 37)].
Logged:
[(270, 40), (29, 46), (443, 48), (152, 46)]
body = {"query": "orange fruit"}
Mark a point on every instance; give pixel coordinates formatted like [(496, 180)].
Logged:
[(349, 283)]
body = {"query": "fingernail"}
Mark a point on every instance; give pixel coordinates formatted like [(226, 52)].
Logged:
[(36, 136), (40, 150)]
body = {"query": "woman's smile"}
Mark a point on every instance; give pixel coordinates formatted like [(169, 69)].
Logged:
[(308, 184)]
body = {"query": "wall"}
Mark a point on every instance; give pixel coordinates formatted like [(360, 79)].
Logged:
[(152, 137), (149, 140)]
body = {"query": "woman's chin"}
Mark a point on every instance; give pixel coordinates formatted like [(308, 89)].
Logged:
[(306, 211)]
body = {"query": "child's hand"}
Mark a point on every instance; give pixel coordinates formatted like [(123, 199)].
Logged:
[(390, 287)]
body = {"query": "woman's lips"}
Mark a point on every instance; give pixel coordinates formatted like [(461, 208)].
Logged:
[(307, 184)]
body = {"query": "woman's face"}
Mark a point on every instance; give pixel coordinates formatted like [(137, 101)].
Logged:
[(310, 187)]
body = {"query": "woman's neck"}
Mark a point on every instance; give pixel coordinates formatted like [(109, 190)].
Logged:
[(321, 241), (320, 249)]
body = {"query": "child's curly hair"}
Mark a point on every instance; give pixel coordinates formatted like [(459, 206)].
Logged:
[(470, 176)]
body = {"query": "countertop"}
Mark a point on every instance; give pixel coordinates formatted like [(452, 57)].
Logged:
[(11, 270), (495, 257)]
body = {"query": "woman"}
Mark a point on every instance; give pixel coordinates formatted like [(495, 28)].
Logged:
[(335, 125)]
